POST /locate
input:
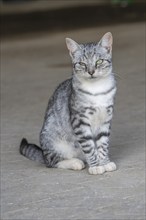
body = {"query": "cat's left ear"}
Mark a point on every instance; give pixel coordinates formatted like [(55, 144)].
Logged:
[(107, 41), (72, 46)]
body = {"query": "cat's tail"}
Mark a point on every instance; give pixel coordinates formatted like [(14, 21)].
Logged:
[(31, 151)]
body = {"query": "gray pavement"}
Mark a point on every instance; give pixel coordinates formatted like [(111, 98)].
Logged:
[(31, 69)]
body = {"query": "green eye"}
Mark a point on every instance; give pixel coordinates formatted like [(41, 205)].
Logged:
[(99, 62)]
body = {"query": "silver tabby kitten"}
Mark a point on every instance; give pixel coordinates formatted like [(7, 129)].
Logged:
[(77, 123)]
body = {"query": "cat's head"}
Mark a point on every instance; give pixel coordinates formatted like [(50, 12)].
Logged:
[(91, 61)]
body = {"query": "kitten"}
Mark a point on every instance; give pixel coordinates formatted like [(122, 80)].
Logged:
[(78, 118)]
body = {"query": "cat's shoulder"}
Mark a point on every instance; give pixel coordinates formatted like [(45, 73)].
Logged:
[(64, 86), (65, 83)]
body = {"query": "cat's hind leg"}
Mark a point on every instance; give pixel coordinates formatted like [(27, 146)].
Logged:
[(72, 164), (70, 154), (64, 155)]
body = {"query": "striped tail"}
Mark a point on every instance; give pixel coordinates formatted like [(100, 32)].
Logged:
[(31, 151)]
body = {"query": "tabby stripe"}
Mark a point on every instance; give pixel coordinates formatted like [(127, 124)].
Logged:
[(107, 66), (110, 109), (23, 149), (83, 91), (102, 153), (78, 132), (82, 141), (109, 117), (85, 55), (83, 110), (73, 120), (84, 116), (86, 146), (93, 155), (108, 60), (29, 150), (96, 94), (110, 106), (104, 93), (81, 122), (104, 145), (88, 137), (107, 122), (93, 163), (106, 134), (85, 139), (91, 113), (87, 149), (102, 149), (90, 108)]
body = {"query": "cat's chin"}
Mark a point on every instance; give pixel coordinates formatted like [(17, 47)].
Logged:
[(90, 79), (94, 78)]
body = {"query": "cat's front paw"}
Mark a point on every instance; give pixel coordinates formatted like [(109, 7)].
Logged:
[(96, 170), (111, 166)]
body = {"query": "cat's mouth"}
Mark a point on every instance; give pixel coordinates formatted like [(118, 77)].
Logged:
[(92, 77)]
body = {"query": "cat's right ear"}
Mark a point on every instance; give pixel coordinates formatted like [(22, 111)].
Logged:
[(107, 41), (72, 46)]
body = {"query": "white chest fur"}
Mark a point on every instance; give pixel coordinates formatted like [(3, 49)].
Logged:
[(102, 91), (98, 86), (98, 118), (103, 94)]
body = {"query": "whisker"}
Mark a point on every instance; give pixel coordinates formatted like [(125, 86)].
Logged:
[(118, 75)]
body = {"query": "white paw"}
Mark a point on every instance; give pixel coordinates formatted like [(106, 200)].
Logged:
[(72, 164), (77, 164), (96, 170), (111, 166)]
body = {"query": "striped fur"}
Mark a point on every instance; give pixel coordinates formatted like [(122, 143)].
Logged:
[(77, 123)]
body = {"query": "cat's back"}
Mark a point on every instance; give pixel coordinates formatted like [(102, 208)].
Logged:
[(64, 89), (57, 110), (57, 118), (61, 93)]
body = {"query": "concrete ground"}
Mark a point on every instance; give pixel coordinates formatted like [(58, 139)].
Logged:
[(31, 69)]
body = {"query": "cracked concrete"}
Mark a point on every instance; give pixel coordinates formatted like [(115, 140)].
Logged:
[(31, 69)]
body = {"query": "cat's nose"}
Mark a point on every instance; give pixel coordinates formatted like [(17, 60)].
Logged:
[(91, 72)]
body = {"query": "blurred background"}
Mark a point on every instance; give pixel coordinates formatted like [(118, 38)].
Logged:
[(29, 16), (34, 60)]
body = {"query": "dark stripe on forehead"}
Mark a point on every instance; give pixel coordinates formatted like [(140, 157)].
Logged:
[(94, 50), (84, 54), (89, 50)]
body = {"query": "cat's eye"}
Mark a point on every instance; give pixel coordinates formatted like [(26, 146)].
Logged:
[(99, 62), (82, 64)]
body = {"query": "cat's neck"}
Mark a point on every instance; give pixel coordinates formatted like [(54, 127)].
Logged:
[(94, 86)]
